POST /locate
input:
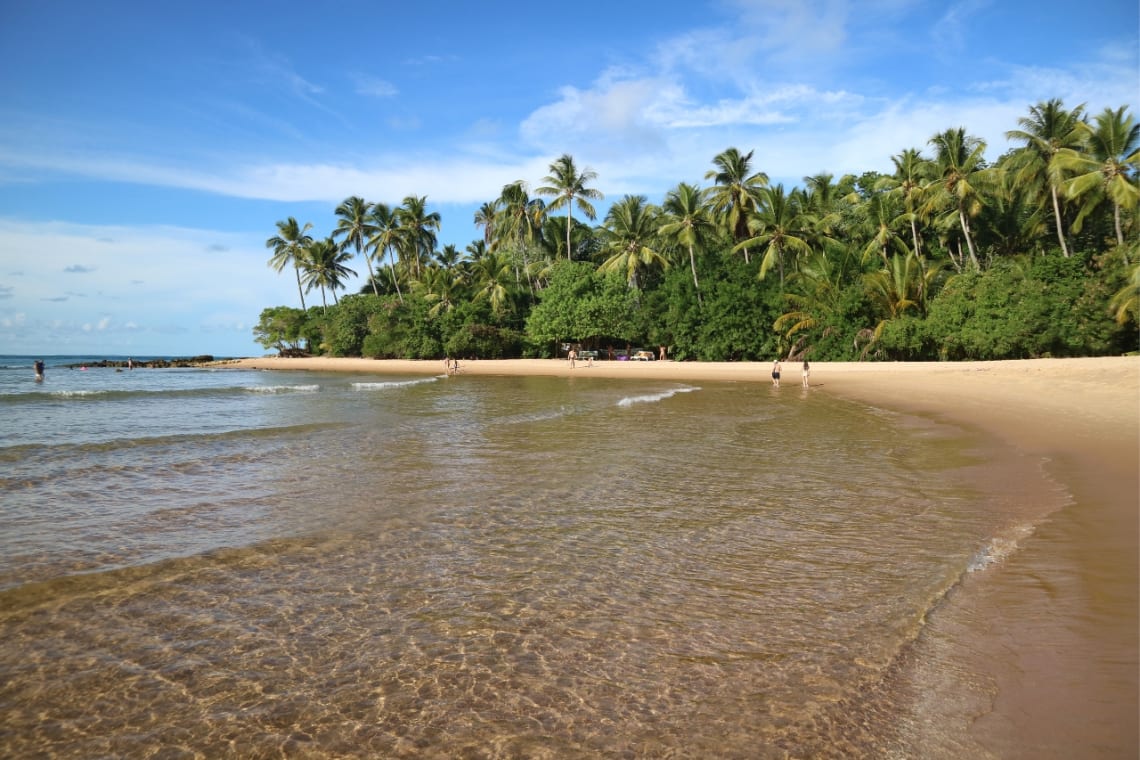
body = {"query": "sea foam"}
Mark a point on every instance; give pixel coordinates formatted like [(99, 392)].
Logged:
[(650, 398)]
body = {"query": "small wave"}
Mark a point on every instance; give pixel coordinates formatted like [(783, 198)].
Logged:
[(650, 398), (283, 388), (998, 549), (391, 384)]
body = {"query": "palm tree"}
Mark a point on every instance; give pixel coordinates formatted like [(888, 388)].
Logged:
[(1048, 129), (355, 224), (882, 214), (815, 294), (631, 236), (448, 257), (491, 278), (569, 187), (289, 246), (1125, 303), (384, 225), (687, 223), (485, 218), (418, 232), (910, 180), (899, 287), (736, 193), (1107, 168), (441, 287), (961, 177), (518, 223), (780, 228), (325, 268)]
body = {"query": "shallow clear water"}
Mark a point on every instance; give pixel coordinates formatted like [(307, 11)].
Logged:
[(324, 565)]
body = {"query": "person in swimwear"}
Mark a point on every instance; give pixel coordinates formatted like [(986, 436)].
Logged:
[(39, 365), (776, 373)]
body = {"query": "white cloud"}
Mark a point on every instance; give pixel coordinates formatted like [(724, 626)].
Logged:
[(188, 273), (375, 88)]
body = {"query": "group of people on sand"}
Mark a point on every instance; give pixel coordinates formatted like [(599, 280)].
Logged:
[(776, 373)]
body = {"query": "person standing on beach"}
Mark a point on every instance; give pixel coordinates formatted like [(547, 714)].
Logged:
[(776, 373), (807, 371), (39, 366), (572, 356)]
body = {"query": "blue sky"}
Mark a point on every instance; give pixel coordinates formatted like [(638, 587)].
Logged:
[(148, 149)]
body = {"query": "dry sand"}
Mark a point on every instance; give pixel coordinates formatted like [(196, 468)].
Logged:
[(1056, 631)]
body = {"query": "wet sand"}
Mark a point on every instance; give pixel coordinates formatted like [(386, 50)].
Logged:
[(1053, 636)]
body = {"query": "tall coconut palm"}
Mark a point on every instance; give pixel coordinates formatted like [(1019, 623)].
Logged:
[(1107, 168), (568, 185), (354, 223), (448, 257), (418, 232), (631, 239), (687, 223), (736, 193), (518, 223), (882, 215), (384, 225), (780, 228), (325, 268), (910, 180), (485, 218), (1049, 129), (962, 177), (289, 246)]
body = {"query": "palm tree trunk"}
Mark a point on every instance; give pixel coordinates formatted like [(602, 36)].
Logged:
[(371, 276), (956, 261), (395, 280), (1057, 222), (914, 234), (297, 271), (969, 240), (569, 224), (1119, 229), (693, 266)]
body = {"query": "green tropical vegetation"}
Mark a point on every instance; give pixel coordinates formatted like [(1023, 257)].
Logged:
[(948, 257)]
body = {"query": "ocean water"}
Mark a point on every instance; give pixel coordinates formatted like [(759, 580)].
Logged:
[(220, 562)]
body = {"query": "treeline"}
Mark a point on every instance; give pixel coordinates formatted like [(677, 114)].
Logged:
[(948, 257)]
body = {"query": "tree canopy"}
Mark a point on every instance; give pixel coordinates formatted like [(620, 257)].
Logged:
[(949, 256)]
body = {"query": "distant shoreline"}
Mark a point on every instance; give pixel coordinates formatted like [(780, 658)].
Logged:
[(1028, 402)]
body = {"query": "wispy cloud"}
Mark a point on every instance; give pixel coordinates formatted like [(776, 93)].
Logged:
[(375, 88)]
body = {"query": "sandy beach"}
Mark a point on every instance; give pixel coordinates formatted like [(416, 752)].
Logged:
[(1081, 419)]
